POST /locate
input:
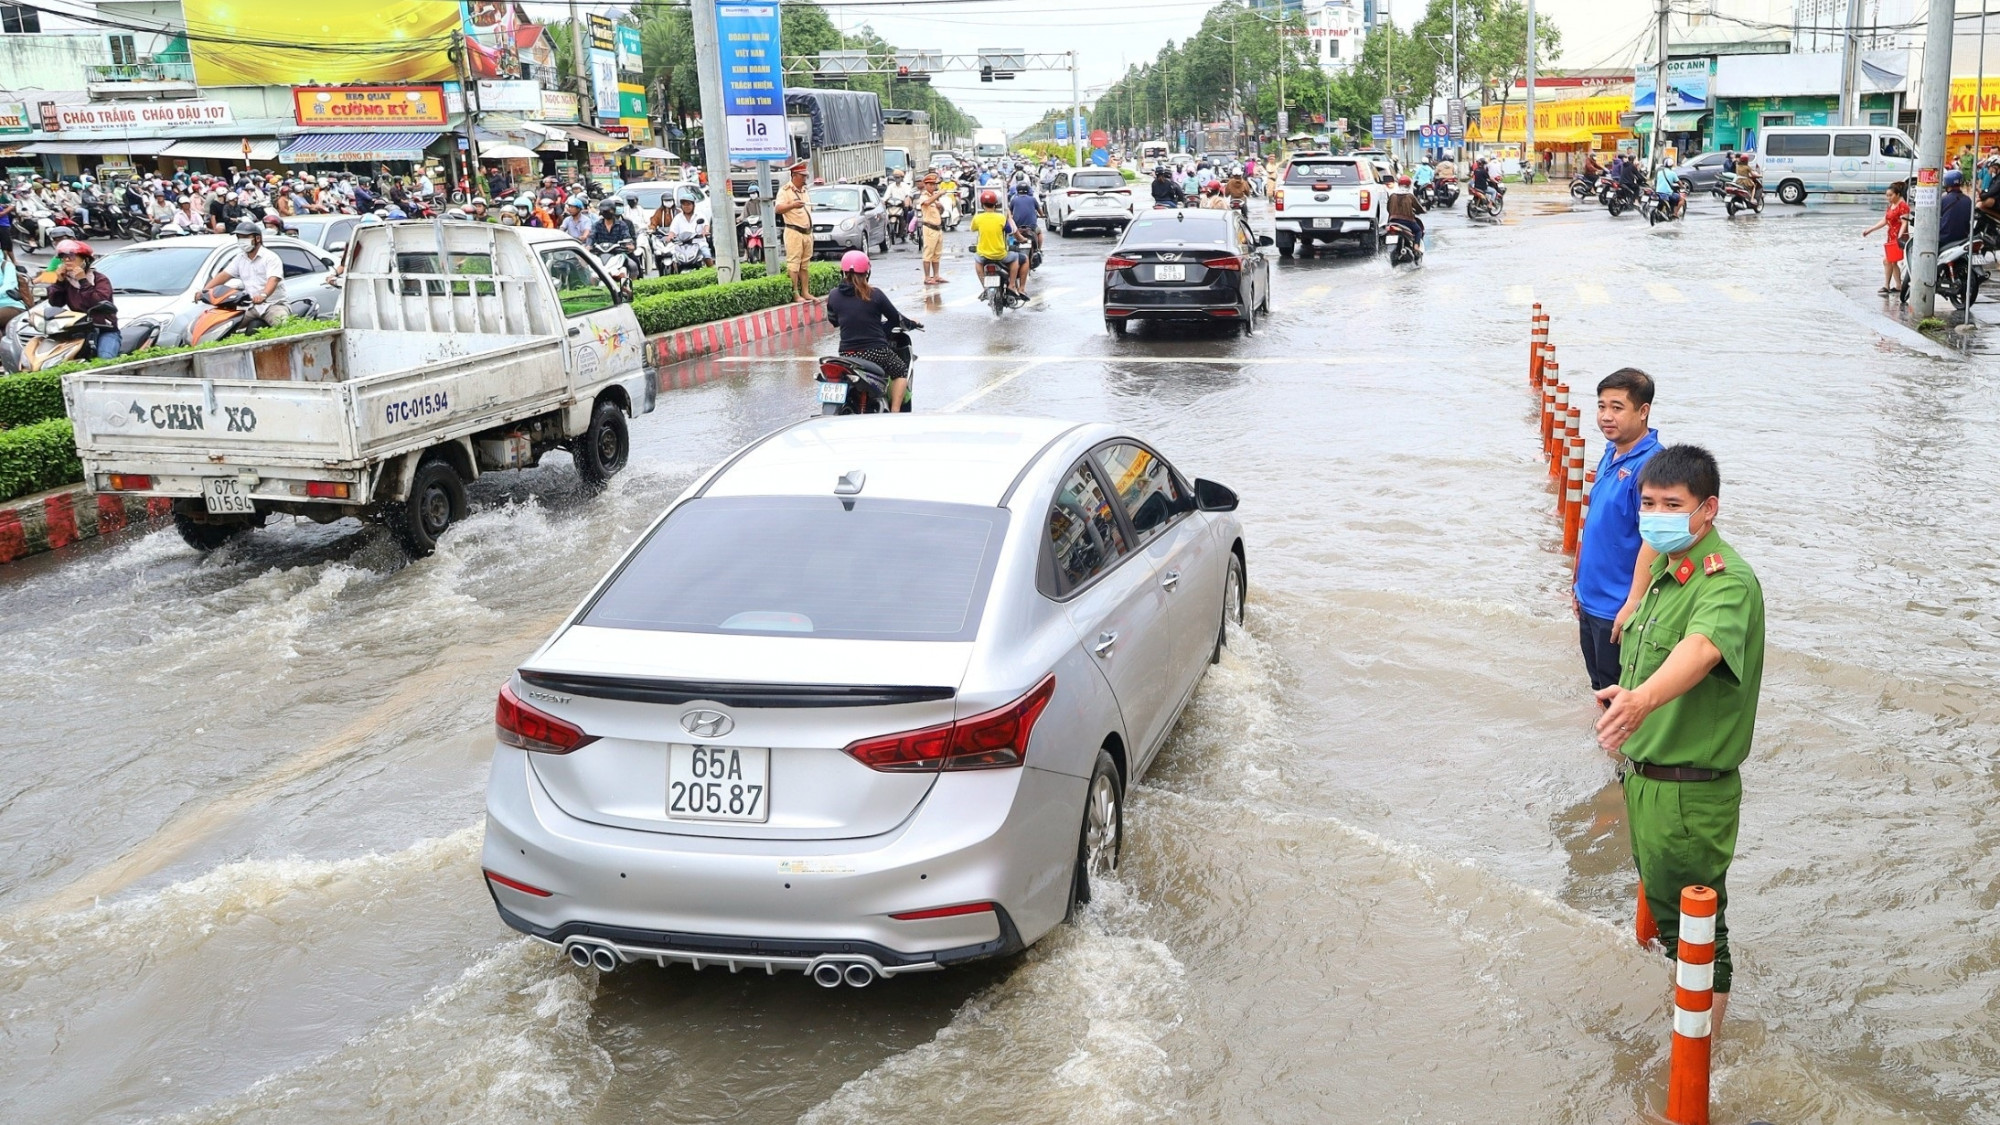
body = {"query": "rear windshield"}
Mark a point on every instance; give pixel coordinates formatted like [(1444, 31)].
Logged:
[(1097, 181), (810, 566), (1196, 227), (1328, 172)]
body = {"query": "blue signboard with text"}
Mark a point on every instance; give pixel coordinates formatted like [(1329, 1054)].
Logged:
[(753, 80)]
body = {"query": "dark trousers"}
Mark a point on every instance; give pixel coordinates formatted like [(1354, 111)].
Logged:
[(1600, 655)]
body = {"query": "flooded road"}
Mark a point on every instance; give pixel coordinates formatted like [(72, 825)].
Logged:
[(1379, 874)]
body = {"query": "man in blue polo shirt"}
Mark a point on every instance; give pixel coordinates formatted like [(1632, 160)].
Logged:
[(1613, 568)]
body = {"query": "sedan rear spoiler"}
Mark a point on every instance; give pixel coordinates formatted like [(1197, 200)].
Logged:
[(641, 689)]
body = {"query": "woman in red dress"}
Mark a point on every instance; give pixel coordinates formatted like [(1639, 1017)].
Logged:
[(1893, 219)]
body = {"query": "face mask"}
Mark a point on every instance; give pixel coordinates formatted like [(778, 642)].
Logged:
[(1666, 532), (244, 244)]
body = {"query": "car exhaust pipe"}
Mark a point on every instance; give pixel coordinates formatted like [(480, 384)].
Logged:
[(590, 955), (859, 975), (605, 960), (827, 974), (580, 956)]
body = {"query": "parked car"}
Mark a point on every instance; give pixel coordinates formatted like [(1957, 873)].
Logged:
[(1188, 265), (330, 233), (849, 217), (727, 758), (1802, 159), (1699, 172), (1098, 198)]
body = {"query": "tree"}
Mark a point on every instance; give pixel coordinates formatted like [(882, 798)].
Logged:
[(1499, 54)]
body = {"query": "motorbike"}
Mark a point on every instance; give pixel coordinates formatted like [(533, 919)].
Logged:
[(1658, 210), (675, 253), (227, 313), (1479, 206), (47, 336), (899, 221), (1622, 198), (993, 287), (849, 384), (751, 238), (1404, 246), (948, 208), (1583, 187), (1739, 194), (1444, 191), (620, 260), (1953, 264)]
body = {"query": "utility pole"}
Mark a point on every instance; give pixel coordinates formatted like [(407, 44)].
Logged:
[(715, 141), (1075, 100), (1850, 53), (1528, 135), (586, 109), (1659, 92), (1456, 89), (1933, 121), (467, 89)]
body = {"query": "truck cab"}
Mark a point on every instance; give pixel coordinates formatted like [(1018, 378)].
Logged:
[(1324, 198)]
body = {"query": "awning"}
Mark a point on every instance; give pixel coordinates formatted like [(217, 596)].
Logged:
[(596, 141), (222, 150), (1686, 122), (344, 147), (97, 148)]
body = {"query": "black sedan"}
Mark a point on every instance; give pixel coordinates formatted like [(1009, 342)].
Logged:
[(1191, 264)]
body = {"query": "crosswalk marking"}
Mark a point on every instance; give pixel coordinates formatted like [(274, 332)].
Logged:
[(1316, 292), (1664, 293), (1520, 295), (1446, 292), (1591, 293), (1737, 292)]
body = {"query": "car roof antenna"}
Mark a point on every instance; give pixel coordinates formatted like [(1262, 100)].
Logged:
[(850, 483)]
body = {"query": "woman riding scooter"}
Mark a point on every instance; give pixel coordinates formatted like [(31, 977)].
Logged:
[(865, 315), (80, 288)]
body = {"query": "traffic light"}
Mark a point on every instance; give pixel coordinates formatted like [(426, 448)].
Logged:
[(985, 72)]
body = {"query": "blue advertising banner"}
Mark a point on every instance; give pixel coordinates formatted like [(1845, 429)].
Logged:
[(753, 81)]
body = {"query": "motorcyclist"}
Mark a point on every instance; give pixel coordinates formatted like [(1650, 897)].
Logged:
[(994, 227), (1954, 210), (611, 232), (685, 222), (1027, 214), (1628, 178), (864, 316), (1671, 191), (1212, 198), (80, 288), (1482, 181), (261, 272), (1402, 207), (574, 222), (1591, 169), (476, 210), (1167, 193)]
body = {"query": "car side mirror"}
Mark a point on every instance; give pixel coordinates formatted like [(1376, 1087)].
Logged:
[(1212, 497), (1266, 240)]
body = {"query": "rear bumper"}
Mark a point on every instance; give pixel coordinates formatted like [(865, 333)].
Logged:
[(1007, 837), (1311, 226), (1127, 303), (1095, 218)]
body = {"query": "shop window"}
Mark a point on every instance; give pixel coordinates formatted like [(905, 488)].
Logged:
[(1875, 116), (15, 19), (123, 52)]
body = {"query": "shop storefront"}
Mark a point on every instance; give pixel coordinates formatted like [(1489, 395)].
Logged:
[(1570, 129), (1739, 120)]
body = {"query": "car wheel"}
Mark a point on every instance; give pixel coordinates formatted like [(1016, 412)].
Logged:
[(203, 536), (1103, 831), (1248, 317), (1371, 241), (605, 445), (436, 501), (1117, 327), (1286, 242), (1232, 607), (1792, 192)]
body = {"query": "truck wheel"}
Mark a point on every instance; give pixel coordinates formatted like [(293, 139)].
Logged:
[(602, 450), (1286, 241), (437, 498), (1371, 242), (205, 537)]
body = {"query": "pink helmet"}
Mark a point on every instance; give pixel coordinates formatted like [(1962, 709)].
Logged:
[(854, 261)]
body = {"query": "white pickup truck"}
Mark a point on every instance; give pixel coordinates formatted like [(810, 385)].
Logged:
[(1327, 197), (510, 342)]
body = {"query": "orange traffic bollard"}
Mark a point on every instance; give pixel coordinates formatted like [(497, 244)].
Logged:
[(1694, 1001), (1538, 340), (1643, 926), (1573, 496), (1551, 375), (1556, 424)]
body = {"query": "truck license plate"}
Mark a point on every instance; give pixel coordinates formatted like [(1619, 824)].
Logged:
[(1169, 273), (1322, 222), (830, 391), (718, 783), (225, 496)]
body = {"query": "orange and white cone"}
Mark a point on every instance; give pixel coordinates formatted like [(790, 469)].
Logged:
[(1694, 1004)]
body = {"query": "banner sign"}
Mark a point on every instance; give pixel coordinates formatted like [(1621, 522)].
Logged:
[(559, 105), (604, 82), (510, 96), (1687, 86), (284, 44), (14, 118), (369, 107), (631, 100), (753, 85), (602, 35), (133, 115), (631, 56)]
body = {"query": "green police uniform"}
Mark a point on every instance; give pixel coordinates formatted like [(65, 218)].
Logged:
[(1684, 832)]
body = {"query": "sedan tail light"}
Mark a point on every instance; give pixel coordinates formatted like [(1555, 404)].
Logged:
[(997, 739), (958, 911), (1118, 263), (516, 884), (1226, 262), (517, 724)]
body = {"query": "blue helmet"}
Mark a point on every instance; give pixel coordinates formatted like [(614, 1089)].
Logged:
[(397, 213), (1953, 178)]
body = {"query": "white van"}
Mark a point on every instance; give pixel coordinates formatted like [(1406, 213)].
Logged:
[(1856, 159)]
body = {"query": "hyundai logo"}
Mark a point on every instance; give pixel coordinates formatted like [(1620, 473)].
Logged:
[(1170, 257), (707, 724)]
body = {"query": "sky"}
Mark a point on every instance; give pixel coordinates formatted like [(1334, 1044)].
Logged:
[(1110, 34)]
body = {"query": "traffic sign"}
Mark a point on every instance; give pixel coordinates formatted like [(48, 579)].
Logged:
[(1375, 128), (1100, 139), (1062, 130), (1396, 130), (753, 86), (1100, 155)]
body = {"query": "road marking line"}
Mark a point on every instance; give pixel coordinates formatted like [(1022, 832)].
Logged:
[(1736, 292), (1038, 298), (1520, 294), (1122, 360), (1450, 292), (1591, 293), (1371, 298), (990, 386), (1319, 291), (1663, 292)]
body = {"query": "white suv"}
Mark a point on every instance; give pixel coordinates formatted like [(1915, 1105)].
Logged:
[(1089, 197), (1329, 197)]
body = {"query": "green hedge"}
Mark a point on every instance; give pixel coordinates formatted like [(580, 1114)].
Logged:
[(36, 457), (664, 312), (693, 279), (36, 396)]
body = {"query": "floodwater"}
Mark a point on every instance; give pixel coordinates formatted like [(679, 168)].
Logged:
[(1378, 875)]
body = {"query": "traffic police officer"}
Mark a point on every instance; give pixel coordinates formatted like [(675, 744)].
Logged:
[(1685, 706)]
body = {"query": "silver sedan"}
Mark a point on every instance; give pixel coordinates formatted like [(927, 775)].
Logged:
[(865, 700)]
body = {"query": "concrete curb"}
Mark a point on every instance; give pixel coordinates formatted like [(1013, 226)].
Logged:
[(705, 339), (49, 521)]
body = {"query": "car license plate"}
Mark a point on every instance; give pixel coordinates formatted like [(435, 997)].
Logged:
[(1322, 222), (225, 496), (1169, 273), (718, 783), (830, 391)]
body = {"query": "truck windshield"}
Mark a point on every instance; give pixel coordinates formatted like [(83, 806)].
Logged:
[(1338, 173), (809, 565), (153, 269)]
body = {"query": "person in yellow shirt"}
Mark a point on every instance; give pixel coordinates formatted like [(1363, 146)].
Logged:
[(994, 227)]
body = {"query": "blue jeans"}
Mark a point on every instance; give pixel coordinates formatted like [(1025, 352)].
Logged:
[(1600, 655), (108, 343)]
